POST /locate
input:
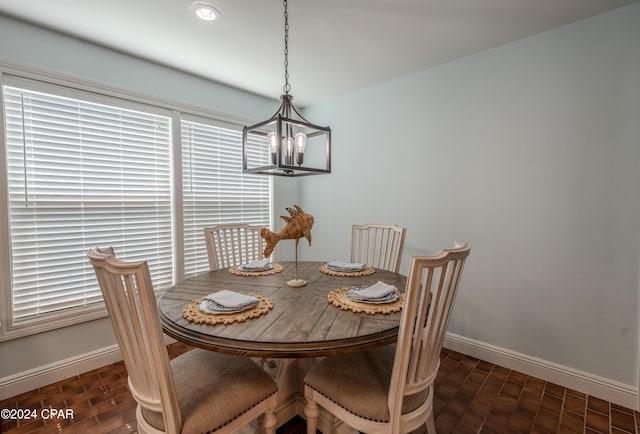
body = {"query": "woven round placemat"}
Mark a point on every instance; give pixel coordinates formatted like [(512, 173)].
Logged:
[(193, 314), (365, 272), (277, 268), (338, 297)]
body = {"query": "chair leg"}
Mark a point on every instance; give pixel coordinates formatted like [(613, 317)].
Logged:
[(311, 413), (270, 421), (431, 426)]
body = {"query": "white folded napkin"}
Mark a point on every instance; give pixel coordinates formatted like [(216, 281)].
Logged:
[(261, 264), (346, 266), (378, 292), (226, 301)]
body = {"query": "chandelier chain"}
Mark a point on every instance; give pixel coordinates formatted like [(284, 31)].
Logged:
[(287, 86)]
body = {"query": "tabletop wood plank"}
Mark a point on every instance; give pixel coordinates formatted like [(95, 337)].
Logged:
[(302, 322)]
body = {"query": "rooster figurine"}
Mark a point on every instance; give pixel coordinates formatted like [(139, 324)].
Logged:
[(299, 225)]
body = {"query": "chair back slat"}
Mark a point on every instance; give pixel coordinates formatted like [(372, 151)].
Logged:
[(230, 245), (378, 246), (131, 303), (430, 293)]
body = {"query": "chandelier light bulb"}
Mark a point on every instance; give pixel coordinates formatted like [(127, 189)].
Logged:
[(287, 143), (301, 141), (272, 138)]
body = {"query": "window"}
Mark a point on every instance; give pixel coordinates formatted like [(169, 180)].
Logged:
[(81, 174), (86, 170), (214, 189)]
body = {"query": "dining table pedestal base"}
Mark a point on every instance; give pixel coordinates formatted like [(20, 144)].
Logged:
[(289, 375)]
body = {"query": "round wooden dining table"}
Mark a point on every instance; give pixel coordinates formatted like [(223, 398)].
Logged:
[(301, 326), (302, 323)]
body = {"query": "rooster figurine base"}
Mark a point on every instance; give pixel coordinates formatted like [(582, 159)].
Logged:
[(296, 283)]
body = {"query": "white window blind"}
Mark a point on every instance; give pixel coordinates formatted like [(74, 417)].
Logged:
[(215, 190), (82, 174)]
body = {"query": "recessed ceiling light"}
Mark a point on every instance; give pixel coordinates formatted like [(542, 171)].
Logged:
[(205, 11)]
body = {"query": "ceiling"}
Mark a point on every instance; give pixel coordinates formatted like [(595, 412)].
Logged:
[(335, 46)]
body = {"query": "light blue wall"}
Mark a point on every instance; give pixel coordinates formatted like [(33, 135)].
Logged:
[(530, 152)]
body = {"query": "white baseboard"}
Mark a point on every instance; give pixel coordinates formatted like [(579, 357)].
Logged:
[(34, 378), (593, 385)]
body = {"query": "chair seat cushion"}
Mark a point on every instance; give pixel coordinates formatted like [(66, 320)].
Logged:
[(213, 389), (359, 383)]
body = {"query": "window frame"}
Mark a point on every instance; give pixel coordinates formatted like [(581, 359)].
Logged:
[(124, 99)]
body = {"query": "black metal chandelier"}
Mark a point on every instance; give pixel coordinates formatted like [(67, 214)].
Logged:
[(286, 144)]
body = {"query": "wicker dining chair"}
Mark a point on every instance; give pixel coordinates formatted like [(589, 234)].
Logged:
[(378, 245), (198, 391), (230, 245), (390, 389)]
